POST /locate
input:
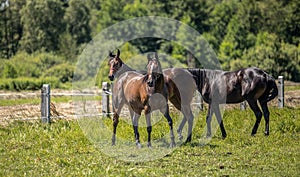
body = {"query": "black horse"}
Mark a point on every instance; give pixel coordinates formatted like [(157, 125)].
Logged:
[(250, 84)]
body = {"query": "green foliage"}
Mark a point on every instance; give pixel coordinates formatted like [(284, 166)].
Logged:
[(42, 23), (25, 65), (63, 72), (23, 83), (9, 70), (77, 17), (246, 33)]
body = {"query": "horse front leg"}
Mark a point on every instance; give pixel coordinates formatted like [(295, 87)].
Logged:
[(117, 111), (135, 122), (208, 121), (149, 127), (166, 114)]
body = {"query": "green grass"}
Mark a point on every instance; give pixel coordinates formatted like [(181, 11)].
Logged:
[(63, 149)]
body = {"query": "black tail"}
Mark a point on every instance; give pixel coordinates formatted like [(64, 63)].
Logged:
[(272, 89)]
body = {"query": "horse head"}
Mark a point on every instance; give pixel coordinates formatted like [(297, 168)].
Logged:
[(115, 63), (154, 71)]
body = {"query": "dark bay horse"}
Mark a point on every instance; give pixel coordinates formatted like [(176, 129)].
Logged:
[(250, 84), (142, 92), (180, 84)]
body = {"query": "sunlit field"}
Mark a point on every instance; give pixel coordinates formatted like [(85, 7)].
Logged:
[(61, 148)]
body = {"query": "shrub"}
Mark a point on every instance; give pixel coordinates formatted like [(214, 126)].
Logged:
[(24, 83), (63, 72)]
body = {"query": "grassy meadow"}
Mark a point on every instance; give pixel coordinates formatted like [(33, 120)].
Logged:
[(63, 149)]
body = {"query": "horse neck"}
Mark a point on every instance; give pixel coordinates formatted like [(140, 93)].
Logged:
[(197, 76), (124, 68), (160, 83)]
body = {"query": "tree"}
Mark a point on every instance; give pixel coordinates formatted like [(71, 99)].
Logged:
[(43, 23), (10, 27), (77, 19)]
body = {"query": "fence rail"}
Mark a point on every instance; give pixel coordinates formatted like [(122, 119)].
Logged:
[(106, 101)]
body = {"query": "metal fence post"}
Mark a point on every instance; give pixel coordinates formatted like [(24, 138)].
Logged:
[(280, 92), (45, 103), (199, 101), (105, 99)]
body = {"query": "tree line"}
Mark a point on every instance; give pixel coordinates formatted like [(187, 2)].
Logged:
[(262, 33)]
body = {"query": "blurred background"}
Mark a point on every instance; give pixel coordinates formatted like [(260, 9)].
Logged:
[(40, 41)]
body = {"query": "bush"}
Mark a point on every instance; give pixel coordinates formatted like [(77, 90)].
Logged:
[(32, 65), (24, 83), (63, 72)]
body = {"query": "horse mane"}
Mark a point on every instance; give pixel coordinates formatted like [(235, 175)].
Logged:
[(196, 75), (145, 77)]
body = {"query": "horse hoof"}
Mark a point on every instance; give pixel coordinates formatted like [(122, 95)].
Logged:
[(267, 133), (149, 145), (224, 136), (180, 137), (172, 145), (138, 145), (208, 136), (188, 140), (113, 143)]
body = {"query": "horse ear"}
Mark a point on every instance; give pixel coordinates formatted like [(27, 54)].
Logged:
[(118, 53), (110, 54), (149, 57), (156, 56)]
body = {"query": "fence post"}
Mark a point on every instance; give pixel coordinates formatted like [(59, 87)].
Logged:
[(45, 103), (105, 99), (280, 92), (199, 101), (243, 105)]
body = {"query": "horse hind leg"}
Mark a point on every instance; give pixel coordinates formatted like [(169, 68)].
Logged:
[(188, 115), (208, 121), (166, 114), (258, 114), (220, 121), (266, 112), (177, 103)]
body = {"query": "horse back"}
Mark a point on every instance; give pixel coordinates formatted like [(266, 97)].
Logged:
[(180, 84)]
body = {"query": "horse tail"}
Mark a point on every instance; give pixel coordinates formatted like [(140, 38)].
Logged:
[(272, 89)]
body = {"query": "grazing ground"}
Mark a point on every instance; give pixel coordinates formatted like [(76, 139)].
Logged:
[(62, 149)]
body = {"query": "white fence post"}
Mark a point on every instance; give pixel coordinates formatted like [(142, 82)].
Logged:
[(45, 103), (199, 101), (105, 99), (280, 92)]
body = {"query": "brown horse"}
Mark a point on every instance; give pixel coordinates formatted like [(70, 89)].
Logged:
[(142, 92), (250, 84), (180, 84)]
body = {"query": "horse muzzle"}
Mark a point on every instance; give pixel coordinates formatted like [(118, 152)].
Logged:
[(111, 77), (150, 83)]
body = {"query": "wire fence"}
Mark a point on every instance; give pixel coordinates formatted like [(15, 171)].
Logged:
[(93, 107)]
